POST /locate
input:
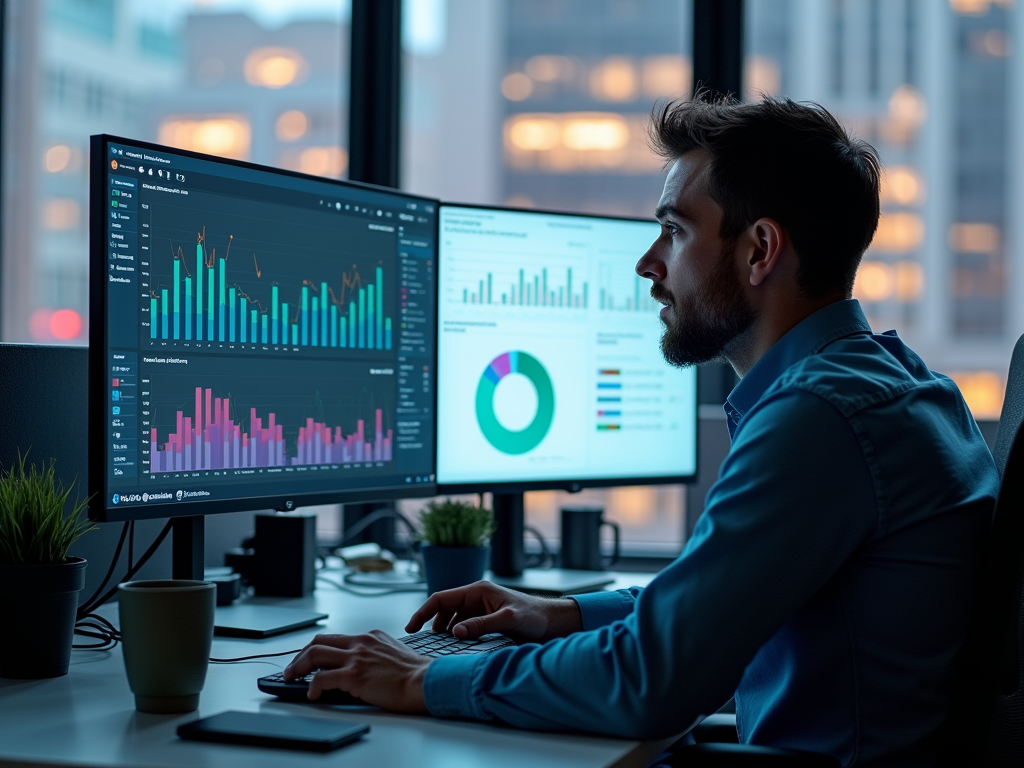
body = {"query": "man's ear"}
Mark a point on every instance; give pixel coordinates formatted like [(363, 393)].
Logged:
[(767, 239)]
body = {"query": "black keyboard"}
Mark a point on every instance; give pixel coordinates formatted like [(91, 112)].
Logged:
[(433, 644)]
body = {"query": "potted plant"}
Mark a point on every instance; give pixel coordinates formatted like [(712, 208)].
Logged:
[(39, 583), (456, 543)]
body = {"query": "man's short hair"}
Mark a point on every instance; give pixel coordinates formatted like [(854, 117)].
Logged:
[(790, 162)]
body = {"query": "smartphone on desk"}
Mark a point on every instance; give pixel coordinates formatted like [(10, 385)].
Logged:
[(282, 731)]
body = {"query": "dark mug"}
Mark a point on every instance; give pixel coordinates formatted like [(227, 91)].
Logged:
[(581, 538)]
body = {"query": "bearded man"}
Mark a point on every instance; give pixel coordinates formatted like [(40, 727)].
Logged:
[(829, 584)]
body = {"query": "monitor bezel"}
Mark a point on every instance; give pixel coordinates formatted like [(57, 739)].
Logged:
[(571, 485), (97, 478)]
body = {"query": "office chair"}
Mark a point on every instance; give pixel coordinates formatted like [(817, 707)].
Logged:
[(986, 725)]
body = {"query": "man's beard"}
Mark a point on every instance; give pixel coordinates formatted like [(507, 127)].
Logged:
[(701, 326)]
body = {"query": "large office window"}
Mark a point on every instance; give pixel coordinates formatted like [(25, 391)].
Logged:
[(541, 103), (251, 79), (936, 86)]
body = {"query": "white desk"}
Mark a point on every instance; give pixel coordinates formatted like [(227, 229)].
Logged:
[(88, 717)]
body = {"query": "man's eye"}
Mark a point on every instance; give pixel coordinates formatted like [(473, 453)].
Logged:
[(672, 229)]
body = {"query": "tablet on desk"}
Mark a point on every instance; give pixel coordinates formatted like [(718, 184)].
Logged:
[(285, 731), (259, 621)]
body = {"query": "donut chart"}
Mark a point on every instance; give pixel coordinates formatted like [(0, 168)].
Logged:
[(507, 440)]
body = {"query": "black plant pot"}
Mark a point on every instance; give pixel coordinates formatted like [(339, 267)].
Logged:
[(39, 603), (451, 567)]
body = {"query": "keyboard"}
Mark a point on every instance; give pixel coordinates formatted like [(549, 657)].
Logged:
[(432, 644)]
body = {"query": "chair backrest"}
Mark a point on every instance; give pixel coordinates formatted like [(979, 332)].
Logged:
[(1013, 407), (1003, 599), (1005, 587)]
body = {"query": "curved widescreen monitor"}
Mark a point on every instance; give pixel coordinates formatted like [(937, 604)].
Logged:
[(259, 338), (550, 373)]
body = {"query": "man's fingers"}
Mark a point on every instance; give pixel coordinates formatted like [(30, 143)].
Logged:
[(313, 657), (499, 621), (425, 611), (329, 679)]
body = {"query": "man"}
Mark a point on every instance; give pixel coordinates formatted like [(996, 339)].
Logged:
[(829, 584)]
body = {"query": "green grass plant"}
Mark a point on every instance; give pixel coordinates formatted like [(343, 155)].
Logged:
[(34, 529), (451, 523)]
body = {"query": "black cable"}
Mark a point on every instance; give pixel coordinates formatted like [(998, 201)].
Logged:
[(98, 628), (110, 572), (131, 544), (545, 558), (372, 518), (256, 656), (90, 607)]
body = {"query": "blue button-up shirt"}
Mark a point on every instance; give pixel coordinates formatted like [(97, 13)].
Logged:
[(828, 584)]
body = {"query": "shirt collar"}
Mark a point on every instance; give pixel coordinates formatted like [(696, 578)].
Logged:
[(809, 336)]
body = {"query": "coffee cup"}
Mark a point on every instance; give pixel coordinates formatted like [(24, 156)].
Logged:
[(166, 636), (581, 539)]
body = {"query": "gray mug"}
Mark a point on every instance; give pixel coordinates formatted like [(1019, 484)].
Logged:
[(166, 635)]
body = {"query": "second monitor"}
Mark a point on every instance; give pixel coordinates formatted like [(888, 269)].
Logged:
[(549, 357)]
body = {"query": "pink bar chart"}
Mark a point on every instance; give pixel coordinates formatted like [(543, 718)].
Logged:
[(211, 439)]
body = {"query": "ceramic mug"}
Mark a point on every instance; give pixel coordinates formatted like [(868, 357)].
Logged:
[(166, 635)]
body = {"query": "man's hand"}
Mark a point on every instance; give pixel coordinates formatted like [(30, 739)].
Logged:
[(375, 667), (468, 612)]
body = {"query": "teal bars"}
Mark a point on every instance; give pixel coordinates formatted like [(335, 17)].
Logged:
[(188, 308), (241, 322), (152, 317), (315, 315), (199, 291), (295, 335), (231, 312), (284, 323), (387, 333), (209, 304), (273, 313), (323, 314), (370, 312), (264, 325), (220, 332), (163, 311), (380, 308), (177, 298), (334, 325), (254, 316), (304, 315), (352, 325), (343, 332), (521, 286), (362, 318)]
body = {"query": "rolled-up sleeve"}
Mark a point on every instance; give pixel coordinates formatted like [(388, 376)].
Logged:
[(651, 661)]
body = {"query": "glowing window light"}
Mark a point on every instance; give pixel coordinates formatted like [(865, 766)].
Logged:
[(898, 233), (274, 67), (536, 134), (224, 135), (516, 86), (595, 134), (667, 76), (614, 80), (874, 281), (983, 391), (57, 158), (323, 161), (974, 238), (907, 106), (61, 214), (909, 280), (761, 75), (65, 324), (902, 185), (549, 69), (971, 7), (291, 125)]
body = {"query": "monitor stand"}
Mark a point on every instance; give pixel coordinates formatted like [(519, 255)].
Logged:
[(507, 556), (188, 558)]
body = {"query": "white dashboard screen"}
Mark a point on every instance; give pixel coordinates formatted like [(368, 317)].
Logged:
[(549, 355)]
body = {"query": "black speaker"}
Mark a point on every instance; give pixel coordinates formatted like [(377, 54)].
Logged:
[(285, 554)]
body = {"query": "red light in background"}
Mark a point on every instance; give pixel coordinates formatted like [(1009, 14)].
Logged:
[(39, 324), (66, 324)]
